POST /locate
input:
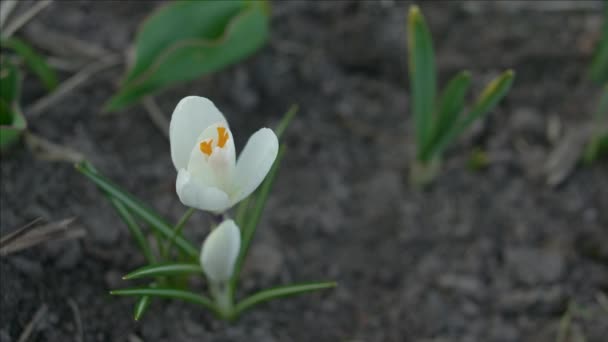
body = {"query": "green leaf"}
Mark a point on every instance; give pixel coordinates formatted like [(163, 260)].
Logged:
[(136, 207), (278, 292), (165, 250), (599, 65), (134, 228), (422, 75), (141, 306), (187, 39), (159, 270), (34, 61), (487, 100), (248, 230), (168, 293), (9, 134), (10, 85), (450, 106), (286, 120)]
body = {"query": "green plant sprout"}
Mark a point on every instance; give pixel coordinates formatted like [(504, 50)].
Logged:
[(14, 53), (212, 179), (438, 120), (187, 39)]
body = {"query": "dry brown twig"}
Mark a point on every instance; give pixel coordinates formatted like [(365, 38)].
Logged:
[(29, 328), (30, 236), (71, 83), (156, 115), (21, 20), (49, 151)]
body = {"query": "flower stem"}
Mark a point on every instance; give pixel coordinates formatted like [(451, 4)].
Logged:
[(223, 299)]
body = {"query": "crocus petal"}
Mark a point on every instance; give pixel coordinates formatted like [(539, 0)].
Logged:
[(254, 163), (191, 116), (217, 169), (219, 252), (193, 194)]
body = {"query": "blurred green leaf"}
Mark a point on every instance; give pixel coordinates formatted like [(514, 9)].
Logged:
[(422, 75), (598, 145), (141, 306), (10, 133), (278, 292), (10, 84), (12, 121), (164, 270), (286, 120), (34, 61), (168, 293), (487, 100), (136, 207), (187, 39), (253, 219), (450, 107), (599, 65)]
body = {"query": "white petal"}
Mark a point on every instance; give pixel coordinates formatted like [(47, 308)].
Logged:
[(194, 194), (215, 170), (220, 250), (189, 119), (254, 163)]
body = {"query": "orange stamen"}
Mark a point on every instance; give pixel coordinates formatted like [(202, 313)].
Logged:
[(206, 146), (222, 136)]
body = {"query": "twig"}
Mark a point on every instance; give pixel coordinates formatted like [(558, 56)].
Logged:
[(6, 7), (50, 151), (71, 83), (29, 328), (18, 232), (52, 231), (77, 319), (61, 44), (156, 115), (25, 17)]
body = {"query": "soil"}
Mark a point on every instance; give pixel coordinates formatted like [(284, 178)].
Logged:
[(487, 255)]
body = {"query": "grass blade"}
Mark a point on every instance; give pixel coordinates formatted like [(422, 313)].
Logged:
[(450, 106), (141, 306), (136, 207), (165, 250), (279, 292), (159, 270), (261, 197), (422, 75), (286, 120), (168, 293), (33, 60), (134, 228), (488, 99)]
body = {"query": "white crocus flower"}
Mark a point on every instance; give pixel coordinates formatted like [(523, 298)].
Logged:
[(202, 149), (219, 252)]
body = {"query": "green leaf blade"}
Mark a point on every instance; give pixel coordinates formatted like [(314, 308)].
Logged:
[(136, 207), (450, 106), (33, 60), (187, 39), (495, 91), (134, 229), (158, 270), (141, 306), (422, 75), (168, 293), (280, 292)]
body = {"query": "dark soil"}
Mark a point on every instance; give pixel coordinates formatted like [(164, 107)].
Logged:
[(489, 255)]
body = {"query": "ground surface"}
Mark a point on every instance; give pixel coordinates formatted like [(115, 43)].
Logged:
[(492, 255)]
